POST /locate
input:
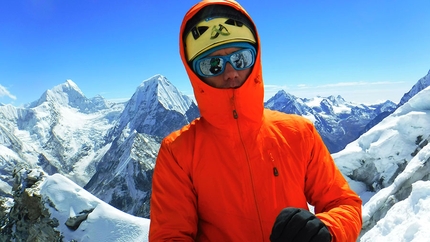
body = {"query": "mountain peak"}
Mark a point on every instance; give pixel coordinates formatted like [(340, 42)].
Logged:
[(419, 86), (283, 95), (67, 93), (336, 101), (154, 80), (157, 101), (71, 83), (159, 89)]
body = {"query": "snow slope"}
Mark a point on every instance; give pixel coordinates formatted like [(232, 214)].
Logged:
[(389, 167), (402, 207), (104, 223)]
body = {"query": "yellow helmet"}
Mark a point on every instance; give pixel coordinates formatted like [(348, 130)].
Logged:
[(220, 26)]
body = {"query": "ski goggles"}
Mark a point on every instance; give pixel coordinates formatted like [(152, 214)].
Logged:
[(215, 65)]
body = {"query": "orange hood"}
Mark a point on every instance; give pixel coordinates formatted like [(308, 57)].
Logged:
[(217, 106)]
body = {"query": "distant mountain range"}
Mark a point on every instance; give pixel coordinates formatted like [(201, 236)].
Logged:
[(339, 122), (110, 148)]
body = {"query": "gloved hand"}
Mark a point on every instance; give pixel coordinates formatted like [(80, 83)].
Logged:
[(299, 225)]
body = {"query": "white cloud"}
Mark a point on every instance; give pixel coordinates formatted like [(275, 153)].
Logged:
[(358, 92), (5, 92), (362, 92), (118, 100), (360, 83)]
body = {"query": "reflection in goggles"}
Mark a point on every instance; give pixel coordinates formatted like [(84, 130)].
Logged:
[(215, 65)]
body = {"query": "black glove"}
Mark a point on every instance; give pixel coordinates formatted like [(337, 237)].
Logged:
[(299, 225)]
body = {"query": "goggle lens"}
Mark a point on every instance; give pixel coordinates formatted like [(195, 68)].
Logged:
[(215, 65)]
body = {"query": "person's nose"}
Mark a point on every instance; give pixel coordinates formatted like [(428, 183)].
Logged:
[(230, 74)]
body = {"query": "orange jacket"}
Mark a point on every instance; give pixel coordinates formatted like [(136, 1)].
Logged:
[(227, 175)]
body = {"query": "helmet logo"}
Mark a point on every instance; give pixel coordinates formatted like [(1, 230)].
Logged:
[(219, 30)]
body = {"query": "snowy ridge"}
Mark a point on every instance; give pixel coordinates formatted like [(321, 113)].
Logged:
[(156, 108), (339, 122), (337, 104), (68, 94), (417, 169), (115, 146), (165, 93), (104, 223), (407, 220), (420, 85), (64, 94), (129, 163), (389, 145), (383, 165), (62, 132), (169, 96)]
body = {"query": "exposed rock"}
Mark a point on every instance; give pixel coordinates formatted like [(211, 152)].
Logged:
[(74, 222), (28, 219), (5, 206), (123, 177)]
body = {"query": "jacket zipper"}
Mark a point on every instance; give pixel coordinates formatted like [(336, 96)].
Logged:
[(236, 116), (275, 174), (275, 169)]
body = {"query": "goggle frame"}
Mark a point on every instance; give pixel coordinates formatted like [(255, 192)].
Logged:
[(226, 59)]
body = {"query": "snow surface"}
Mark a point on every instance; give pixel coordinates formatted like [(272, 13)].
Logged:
[(104, 223), (407, 220), (387, 145), (69, 133), (339, 105), (392, 141)]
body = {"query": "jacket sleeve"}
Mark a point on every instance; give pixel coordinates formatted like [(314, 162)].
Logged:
[(327, 190), (173, 214)]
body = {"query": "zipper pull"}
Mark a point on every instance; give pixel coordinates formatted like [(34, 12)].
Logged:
[(275, 171), (235, 114)]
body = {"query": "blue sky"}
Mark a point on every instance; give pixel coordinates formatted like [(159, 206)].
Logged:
[(364, 50)]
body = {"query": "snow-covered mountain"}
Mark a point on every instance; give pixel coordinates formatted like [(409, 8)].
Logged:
[(130, 139), (339, 122), (53, 208), (391, 163), (124, 176), (419, 86), (68, 94), (61, 132), (110, 150), (156, 109), (48, 207)]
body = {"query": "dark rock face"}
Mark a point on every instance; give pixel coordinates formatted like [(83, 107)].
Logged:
[(74, 222), (28, 219), (124, 176)]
